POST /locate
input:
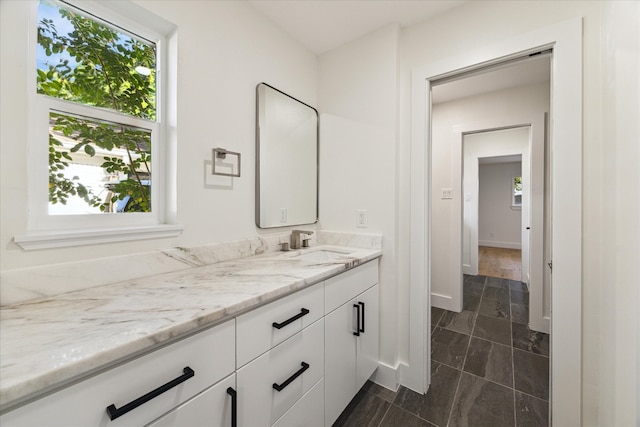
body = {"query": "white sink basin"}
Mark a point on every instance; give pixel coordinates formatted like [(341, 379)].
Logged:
[(322, 255)]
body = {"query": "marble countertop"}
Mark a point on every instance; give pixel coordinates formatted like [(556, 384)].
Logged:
[(50, 342)]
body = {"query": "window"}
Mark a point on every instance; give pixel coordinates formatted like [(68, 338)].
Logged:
[(516, 191), (97, 145), (96, 163)]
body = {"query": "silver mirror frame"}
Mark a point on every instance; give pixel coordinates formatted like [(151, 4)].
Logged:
[(258, 169)]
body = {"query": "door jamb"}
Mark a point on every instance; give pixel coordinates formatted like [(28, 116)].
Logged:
[(565, 39)]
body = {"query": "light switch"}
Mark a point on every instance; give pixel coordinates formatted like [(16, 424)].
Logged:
[(361, 218), (446, 193), (283, 214)]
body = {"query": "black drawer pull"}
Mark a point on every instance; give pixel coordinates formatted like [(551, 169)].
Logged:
[(234, 406), (303, 312), (281, 387), (361, 304), (114, 413), (357, 332)]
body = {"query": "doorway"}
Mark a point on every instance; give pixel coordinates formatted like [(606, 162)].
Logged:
[(496, 209), (565, 144), (500, 217), (497, 233)]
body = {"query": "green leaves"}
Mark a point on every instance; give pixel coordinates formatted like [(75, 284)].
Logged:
[(131, 158), (100, 65), (93, 64)]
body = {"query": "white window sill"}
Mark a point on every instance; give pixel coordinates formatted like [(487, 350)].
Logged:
[(61, 239), (516, 207)]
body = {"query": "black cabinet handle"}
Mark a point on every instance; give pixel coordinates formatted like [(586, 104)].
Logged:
[(357, 332), (361, 304), (234, 406), (114, 413), (303, 312), (289, 380)]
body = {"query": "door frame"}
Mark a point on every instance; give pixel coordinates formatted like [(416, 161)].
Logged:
[(565, 39), (532, 206), (470, 200)]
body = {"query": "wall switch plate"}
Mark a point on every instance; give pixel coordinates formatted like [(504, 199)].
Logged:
[(447, 193), (283, 214), (361, 218)]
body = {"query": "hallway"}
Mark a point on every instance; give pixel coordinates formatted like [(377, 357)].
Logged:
[(500, 262), (487, 368)]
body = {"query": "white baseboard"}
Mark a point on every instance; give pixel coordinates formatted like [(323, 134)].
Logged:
[(466, 269), (540, 324), (444, 302), (387, 376), (505, 245)]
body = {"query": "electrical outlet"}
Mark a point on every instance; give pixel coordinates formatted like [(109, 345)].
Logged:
[(446, 193), (283, 214), (361, 218)]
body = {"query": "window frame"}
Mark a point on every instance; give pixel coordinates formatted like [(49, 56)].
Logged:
[(50, 231), (515, 205)]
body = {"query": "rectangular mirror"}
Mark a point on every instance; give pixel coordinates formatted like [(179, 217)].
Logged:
[(286, 160)]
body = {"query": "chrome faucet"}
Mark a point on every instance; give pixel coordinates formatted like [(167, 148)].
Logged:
[(297, 241)]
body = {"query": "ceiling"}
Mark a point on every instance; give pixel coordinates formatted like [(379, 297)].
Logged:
[(322, 25), (528, 71), (499, 159)]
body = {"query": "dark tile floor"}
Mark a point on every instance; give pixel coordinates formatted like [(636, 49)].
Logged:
[(487, 368)]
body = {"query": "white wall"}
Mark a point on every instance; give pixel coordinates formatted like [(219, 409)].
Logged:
[(358, 103), (613, 190), (224, 50), (499, 224)]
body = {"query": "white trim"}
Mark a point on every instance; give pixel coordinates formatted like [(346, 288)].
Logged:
[(566, 145), (445, 302), (41, 226), (387, 376), (61, 239), (416, 376)]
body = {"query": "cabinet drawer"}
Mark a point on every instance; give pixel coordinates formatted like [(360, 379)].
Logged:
[(308, 411), (342, 288), (259, 404), (211, 408), (256, 333), (210, 354)]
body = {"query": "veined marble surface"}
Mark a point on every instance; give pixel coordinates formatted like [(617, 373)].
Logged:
[(24, 284), (49, 342), (19, 285)]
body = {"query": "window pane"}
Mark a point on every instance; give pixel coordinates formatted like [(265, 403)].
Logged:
[(517, 191), (97, 166), (83, 60)]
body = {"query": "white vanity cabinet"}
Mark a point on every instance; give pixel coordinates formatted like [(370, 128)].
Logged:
[(308, 411), (280, 359), (351, 336), (296, 361), (214, 407), (185, 368), (271, 384), (265, 327)]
